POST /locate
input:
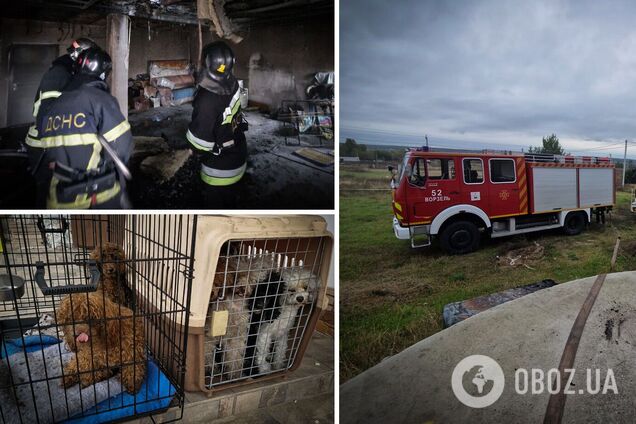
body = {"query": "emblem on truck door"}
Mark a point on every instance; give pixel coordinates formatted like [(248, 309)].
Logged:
[(475, 196), (504, 195)]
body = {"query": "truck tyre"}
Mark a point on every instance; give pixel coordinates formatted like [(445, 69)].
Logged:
[(574, 223), (460, 237)]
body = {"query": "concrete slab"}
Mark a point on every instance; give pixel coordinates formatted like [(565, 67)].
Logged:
[(530, 332), (315, 410), (608, 341), (164, 166)]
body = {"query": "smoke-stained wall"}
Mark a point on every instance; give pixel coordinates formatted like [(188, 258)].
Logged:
[(278, 62), (17, 31), (159, 41)]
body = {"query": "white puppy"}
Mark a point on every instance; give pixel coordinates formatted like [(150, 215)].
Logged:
[(235, 282), (300, 285)]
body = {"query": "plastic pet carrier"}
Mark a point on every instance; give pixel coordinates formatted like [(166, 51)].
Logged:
[(89, 307), (258, 291)]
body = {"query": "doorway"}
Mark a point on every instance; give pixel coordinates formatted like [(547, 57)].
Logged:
[(27, 64)]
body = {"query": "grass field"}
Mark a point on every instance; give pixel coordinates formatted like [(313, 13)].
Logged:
[(392, 296)]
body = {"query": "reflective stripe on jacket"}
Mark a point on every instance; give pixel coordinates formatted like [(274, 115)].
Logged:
[(215, 135), (53, 82), (65, 135)]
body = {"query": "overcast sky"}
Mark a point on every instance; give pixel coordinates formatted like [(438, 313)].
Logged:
[(498, 74)]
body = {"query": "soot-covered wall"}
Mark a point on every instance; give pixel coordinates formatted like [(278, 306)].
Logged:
[(160, 41), (279, 61), (156, 41), (17, 32)]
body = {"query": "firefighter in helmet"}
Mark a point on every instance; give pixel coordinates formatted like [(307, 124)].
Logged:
[(78, 172), (59, 74), (53, 82), (216, 132)]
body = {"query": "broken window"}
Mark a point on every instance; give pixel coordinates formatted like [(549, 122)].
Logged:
[(473, 171), (441, 169), (502, 170)]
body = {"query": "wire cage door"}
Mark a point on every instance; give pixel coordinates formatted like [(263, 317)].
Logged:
[(93, 315), (262, 307)]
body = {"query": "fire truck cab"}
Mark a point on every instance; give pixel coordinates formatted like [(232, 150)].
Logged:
[(459, 197)]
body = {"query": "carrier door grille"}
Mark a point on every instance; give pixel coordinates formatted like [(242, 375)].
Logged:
[(265, 292)]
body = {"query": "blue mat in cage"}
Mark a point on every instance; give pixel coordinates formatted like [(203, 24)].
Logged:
[(156, 391), (27, 344)]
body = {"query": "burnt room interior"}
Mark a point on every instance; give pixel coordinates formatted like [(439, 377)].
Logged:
[(284, 53)]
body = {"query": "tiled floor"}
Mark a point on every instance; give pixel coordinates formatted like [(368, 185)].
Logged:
[(315, 410), (305, 395)]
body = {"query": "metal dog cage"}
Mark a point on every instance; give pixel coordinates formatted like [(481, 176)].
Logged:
[(89, 307), (246, 325), (311, 121)]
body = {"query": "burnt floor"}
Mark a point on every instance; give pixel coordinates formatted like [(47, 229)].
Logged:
[(275, 177)]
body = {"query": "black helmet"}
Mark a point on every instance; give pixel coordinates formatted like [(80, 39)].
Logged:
[(78, 46), (218, 59), (94, 62)]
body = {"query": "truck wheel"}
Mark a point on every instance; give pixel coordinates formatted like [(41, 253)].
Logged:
[(460, 237), (574, 223)]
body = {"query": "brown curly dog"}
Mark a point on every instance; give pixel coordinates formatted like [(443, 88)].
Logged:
[(105, 340), (110, 259)]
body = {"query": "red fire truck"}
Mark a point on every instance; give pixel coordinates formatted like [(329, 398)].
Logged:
[(460, 197)]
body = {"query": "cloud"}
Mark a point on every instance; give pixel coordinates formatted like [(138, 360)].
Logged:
[(490, 72)]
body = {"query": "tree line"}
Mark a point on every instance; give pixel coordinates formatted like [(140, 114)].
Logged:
[(352, 148)]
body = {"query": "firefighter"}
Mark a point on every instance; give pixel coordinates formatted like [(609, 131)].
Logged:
[(77, 171), (216, 132), (51, 86), (59, 74)]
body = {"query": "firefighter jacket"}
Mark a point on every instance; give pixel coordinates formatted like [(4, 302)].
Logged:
[(216, 132), (53, 82), (51, 86), (78, 173)]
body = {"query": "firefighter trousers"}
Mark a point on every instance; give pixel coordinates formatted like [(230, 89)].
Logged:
[(221, 197)]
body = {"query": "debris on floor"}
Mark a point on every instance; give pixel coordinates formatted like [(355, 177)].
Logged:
[(165, 165), (619, 323), (167, 83), (147, 146), (458, 311), (175, 82), (315, 156), (168, 68), (522, 256), (276, 178)]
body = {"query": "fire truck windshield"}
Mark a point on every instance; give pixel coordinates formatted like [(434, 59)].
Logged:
[(405, 164), (418, 172)]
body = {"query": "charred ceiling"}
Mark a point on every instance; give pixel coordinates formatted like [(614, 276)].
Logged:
[(235, 14), (268, 11)]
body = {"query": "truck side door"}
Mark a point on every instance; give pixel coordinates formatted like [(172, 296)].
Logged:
[(474, 189), (503, 195), (433, 187)]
